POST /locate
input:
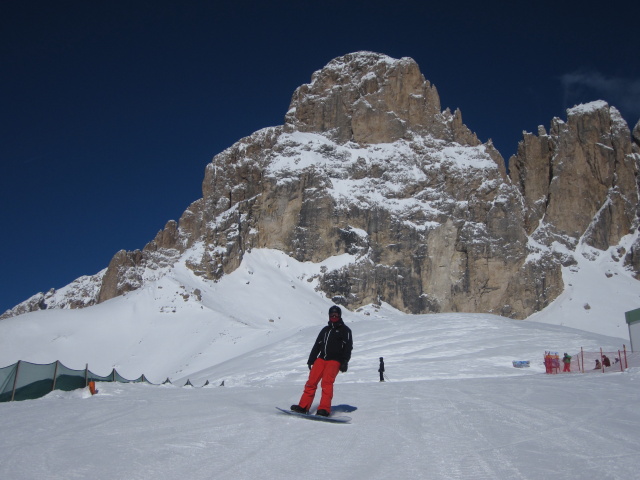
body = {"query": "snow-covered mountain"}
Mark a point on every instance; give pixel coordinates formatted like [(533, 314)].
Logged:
[(368, 168)]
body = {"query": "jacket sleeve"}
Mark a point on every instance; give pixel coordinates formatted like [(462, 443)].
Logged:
[(315, 350), (348, 346)]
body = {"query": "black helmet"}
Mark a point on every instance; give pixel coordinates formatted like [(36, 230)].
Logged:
[(335, 309)]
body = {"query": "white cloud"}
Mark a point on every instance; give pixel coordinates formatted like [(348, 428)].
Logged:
[(622, 93)]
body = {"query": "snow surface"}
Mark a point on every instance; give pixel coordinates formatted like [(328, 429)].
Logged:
[(587, 108), (598, 290), (453, 408), (590, 107)]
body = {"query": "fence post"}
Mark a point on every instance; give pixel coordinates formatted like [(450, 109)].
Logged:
[(626, 365), (86, 374), (15, 380), (55, 376), (582, 356), (601, 360), (620, 360)]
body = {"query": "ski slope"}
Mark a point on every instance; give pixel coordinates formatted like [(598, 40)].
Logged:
[(453, 408)]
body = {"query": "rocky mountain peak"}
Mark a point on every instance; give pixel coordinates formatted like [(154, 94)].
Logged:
[(579, 181), (367, 167), (371, 98)]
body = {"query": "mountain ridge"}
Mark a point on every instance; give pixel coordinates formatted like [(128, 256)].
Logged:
[(367, 164)]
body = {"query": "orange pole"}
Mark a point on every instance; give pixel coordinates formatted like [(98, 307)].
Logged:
[(620, 359)]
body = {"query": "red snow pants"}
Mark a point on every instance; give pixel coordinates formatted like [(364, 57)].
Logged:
[(327, 371)]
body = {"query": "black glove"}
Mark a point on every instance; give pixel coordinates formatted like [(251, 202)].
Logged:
[(344, 367), (309, 365)]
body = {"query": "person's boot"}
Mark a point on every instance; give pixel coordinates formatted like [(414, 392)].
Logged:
[(298, 409), (322, 413)]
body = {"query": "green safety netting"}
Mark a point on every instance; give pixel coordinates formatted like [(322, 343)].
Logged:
[(25, 381)]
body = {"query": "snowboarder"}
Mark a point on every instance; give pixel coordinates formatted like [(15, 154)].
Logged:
[(381, 369), (567, 362), (329, 355), (605, 361)]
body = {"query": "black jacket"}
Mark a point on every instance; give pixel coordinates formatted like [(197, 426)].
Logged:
[(334, 342)]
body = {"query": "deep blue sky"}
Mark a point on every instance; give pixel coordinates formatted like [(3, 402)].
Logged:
[(110, 110)]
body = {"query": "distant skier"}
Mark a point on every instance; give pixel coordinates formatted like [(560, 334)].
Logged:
[(330, 354), (381, 369), (547, 362), (567, 363)]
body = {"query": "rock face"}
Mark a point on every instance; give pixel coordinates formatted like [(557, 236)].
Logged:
[(580, 178), (632, 259), (369, 98), (580, 181), (82, 292), (367, 164)]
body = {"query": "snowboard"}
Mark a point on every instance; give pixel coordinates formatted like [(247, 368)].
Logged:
[(317, 418)]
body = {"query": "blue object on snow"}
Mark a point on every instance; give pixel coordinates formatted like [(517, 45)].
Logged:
[(521, 363)]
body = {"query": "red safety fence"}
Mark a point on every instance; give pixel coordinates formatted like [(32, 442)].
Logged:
[(590, 362)]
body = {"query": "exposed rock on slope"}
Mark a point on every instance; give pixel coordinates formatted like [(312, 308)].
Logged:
[(580, 178), (367, 164), (82, 292)]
